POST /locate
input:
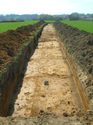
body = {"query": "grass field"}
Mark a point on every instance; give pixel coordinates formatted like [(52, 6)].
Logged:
[(80, 24), (13, 25)]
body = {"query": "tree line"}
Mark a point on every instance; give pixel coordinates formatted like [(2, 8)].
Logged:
[(73, 16)]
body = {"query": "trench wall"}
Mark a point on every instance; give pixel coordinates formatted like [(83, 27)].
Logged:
[(13, 69), (79, 46)]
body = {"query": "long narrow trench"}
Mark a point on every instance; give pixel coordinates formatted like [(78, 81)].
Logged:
[(47, 85)]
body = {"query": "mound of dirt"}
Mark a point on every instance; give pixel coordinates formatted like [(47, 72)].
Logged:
[(80, 45), (16, 48), (11, 41)]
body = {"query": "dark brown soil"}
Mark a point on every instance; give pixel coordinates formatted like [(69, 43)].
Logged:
[(16, 48), (11, 41)]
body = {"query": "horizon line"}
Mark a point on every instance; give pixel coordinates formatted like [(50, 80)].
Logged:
[(42, 14)]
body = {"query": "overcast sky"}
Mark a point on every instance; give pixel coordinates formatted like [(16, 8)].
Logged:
[(45, 6)]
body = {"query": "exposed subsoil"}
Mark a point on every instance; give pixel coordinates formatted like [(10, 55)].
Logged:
[(82, 45), (79, 45), (48, 83), (48, 94)]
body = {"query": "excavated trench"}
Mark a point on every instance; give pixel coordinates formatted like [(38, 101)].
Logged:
[(49, 84)]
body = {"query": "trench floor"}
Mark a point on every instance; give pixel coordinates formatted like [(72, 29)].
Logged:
[(47, 85)]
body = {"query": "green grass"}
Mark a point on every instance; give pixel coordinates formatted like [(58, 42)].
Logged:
[(13, 25), (81, 24)]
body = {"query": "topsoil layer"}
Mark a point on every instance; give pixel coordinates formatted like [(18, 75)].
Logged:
[(12, 40)]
